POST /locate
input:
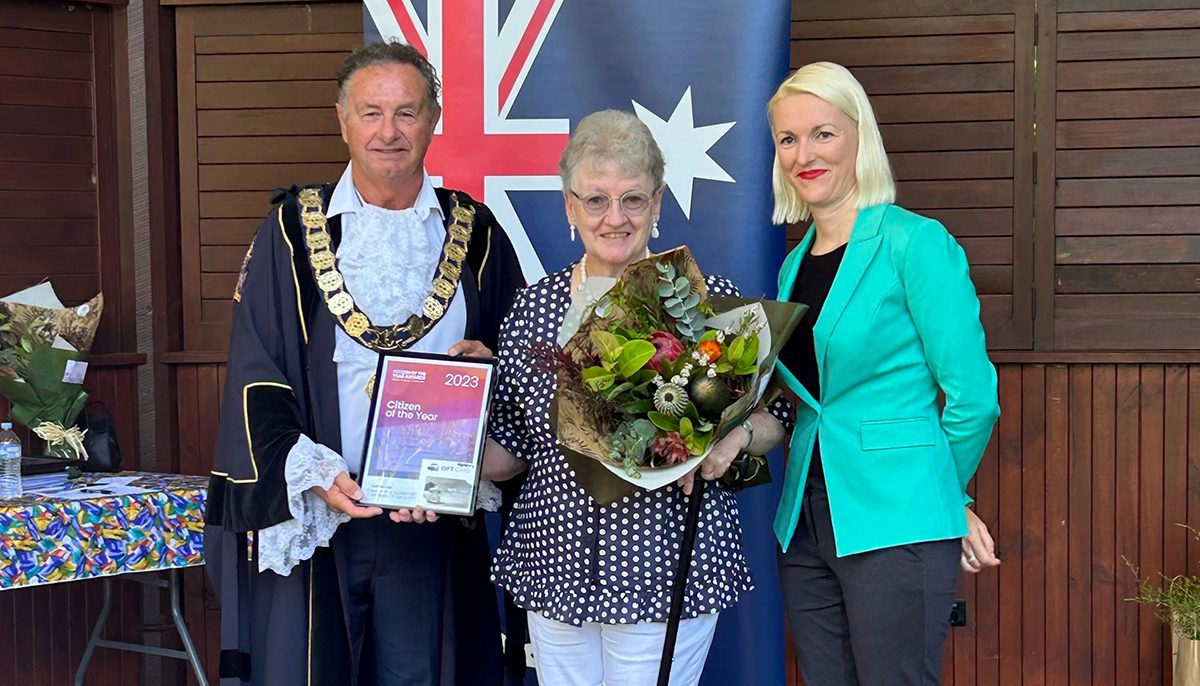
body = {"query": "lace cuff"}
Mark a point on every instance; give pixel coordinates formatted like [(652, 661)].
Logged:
[(285, 545), (489, 497)]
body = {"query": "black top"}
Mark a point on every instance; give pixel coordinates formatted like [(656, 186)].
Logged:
[(799, 354)]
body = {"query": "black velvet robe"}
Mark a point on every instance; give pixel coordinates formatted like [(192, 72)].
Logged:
[(281, 381)]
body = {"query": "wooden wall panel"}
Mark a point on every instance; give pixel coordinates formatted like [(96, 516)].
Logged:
[(949, 85), (199, 403), (1090, 464), (1126, 159), (255, 97), (61, 158), (47, 148)]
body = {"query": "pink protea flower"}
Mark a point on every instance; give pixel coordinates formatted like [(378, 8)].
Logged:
[(667, 348), (669, 449)]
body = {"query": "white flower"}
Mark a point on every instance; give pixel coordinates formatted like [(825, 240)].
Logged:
[(712, 372), (720, 336)]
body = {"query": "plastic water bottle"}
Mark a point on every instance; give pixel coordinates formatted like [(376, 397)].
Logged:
[(10, 462)]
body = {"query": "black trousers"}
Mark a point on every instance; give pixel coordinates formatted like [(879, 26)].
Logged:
[(396, 576), (877, 618)]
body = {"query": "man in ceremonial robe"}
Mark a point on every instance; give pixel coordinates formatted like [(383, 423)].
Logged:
[(314, 588)]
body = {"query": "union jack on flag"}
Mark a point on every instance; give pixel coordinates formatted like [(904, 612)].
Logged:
[(518, 74)]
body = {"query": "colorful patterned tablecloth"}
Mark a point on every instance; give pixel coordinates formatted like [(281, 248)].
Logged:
[(43, 540)]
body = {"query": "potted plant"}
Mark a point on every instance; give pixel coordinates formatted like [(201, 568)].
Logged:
[(1176, 602)]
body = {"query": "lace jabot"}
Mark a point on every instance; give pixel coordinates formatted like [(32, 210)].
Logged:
[(387, 258)]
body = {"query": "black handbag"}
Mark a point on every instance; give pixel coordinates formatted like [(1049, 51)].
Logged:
[(104, 454)]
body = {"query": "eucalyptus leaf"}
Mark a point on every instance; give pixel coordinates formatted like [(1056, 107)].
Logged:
[(644, 428)]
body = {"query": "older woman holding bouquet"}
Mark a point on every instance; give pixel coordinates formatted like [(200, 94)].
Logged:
[(596, 578), (872, 524)]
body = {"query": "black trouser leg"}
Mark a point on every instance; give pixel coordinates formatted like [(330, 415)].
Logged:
[(397, 584), (877, 618)]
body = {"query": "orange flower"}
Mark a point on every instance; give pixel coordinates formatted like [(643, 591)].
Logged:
[(711, 349)]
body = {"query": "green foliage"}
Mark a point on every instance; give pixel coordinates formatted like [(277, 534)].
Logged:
[(1175, 599), (663, 421), (629, 444), (680, 302)]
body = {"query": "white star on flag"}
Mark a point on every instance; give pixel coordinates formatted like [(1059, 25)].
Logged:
[(685, 148)]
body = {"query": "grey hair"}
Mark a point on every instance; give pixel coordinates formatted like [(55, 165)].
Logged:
[(617, 137), (389, 52)]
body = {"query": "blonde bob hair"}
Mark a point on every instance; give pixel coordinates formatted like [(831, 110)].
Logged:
[(834, 84)]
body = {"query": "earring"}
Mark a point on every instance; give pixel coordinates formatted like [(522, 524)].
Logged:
[(654, 229), (572, 233)]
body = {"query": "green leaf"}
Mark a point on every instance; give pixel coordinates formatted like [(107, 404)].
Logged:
[(608, 344), (634, 356), (663, 421), (749, 356), (745, 371), (736, 347), (642, 377), (617, 390), (682, 285), (644, 428), (598, 378), (685, 427), (641, 406), (724, 367), (710, 335), (698, 442)]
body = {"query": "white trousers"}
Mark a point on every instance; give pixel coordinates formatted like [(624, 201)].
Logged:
[(617, 654)]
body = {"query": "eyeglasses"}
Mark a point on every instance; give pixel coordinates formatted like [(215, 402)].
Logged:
[(633, 203)]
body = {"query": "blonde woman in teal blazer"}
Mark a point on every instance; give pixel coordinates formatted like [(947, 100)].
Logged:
[(872, 539)]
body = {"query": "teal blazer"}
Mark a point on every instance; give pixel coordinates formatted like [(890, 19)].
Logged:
[(901, 322)]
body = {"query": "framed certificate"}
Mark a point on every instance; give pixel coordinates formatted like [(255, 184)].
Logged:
[(424, 439)]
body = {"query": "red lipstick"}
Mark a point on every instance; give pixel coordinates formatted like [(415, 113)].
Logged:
[(812, 174)]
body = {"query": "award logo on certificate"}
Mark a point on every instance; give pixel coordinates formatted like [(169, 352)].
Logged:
[(424, 442)]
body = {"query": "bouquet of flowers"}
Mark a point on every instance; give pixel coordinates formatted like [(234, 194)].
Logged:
[(43, 348), (651, 371)]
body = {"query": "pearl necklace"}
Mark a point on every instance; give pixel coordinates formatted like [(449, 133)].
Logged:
[(583, 275)]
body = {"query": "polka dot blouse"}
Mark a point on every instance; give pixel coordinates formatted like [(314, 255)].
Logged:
[(563, 554)]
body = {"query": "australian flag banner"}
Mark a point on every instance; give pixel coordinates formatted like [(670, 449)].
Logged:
[(519, 74)]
